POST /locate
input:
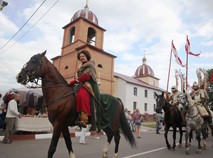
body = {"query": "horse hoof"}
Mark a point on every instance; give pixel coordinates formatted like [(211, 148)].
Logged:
[(187, 152), (172, 149), (115, 155), (169, 147), (204, 147), (105, 155), (180, 145), (72, 155), (199, 151)]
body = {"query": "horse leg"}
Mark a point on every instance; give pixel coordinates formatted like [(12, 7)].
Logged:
[(166, 137), (190, 137), (54, 141), (109, 134), (117, 140), (68, 141), (187, 149), (198, 140), (205, 135), (174, 137), (181, 135)]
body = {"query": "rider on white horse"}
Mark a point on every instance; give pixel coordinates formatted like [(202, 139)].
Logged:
[(201, 97)]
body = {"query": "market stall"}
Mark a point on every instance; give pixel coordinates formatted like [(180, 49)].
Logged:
[(31, 123)]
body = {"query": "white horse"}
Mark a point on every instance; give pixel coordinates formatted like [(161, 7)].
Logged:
[(194, 121)]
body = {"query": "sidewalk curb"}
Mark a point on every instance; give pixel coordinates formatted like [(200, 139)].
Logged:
[(47, 136)]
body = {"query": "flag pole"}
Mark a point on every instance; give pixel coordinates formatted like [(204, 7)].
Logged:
[(169, 73), (187, 55)]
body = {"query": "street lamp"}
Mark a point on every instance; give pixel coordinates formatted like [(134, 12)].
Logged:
[(2, 4)]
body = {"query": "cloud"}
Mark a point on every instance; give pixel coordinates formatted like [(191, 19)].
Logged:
[(131, 28)]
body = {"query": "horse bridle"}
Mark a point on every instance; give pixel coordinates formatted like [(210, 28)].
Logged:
[(188, 108), (164, 102), (32, 77), (31, 74)]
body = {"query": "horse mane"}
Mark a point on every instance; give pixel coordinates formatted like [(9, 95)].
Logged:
[(57, 71), (191, 102)]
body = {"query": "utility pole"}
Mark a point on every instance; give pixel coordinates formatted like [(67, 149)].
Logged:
[(2, 4)]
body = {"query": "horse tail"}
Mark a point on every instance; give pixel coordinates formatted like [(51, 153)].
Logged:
[(125, 127)]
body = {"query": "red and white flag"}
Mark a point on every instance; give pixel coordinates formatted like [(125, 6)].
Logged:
[(187, 47), (176, 55)]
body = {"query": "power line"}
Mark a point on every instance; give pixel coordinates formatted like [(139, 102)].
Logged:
[(8, 66), (22, 26), (30, 27)]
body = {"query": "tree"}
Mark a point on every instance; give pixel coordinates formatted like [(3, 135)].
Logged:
[(210, 73)]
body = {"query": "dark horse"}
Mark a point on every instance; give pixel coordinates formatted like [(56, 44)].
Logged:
[(172, 119), (62, 105)]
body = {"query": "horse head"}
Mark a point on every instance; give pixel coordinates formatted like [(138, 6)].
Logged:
[(160, 102), (32, 69), (182, 98), (186, 100)]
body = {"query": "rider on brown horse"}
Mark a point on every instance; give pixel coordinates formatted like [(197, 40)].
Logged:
[(101, 107), (174, 101), (85, 72)]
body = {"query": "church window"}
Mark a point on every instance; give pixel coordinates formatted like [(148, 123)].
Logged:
[(91, 36), (99, 65), (135, 91), (145, 107), (153, 82), (146, 93), (71, 35), (134, 105)]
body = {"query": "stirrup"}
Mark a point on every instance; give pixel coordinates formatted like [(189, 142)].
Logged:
[(81, 124)]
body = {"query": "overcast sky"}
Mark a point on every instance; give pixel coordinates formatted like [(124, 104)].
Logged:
[(131, 27)]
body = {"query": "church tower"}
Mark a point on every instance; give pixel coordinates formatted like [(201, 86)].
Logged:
[(83, 32), (145, 73)]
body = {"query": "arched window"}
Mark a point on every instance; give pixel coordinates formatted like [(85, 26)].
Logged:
[(71, 35), (91, 36), (99, 65)]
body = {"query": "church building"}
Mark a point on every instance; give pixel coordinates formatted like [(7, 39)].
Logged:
[(138, 91), (84, 32)]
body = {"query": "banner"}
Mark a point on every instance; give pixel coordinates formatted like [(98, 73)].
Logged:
[(187, 47), (176, 55)]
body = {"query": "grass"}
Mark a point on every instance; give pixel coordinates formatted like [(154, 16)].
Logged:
[(150, 125)]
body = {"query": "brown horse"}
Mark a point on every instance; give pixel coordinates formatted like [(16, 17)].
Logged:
[(172, 119), (62, 105)]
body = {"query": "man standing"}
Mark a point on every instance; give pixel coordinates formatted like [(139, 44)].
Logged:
[(12, 113)]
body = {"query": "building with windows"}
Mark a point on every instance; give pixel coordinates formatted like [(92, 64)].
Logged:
[(138, 92)]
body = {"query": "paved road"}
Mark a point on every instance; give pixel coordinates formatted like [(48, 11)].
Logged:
[(150, 145)]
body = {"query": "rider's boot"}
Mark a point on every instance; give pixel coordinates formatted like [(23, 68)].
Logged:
[(83, 120)]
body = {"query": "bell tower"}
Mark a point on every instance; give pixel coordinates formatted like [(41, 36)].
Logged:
[(83, 32)]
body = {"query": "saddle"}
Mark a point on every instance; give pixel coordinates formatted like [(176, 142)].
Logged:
[(202, 110)]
